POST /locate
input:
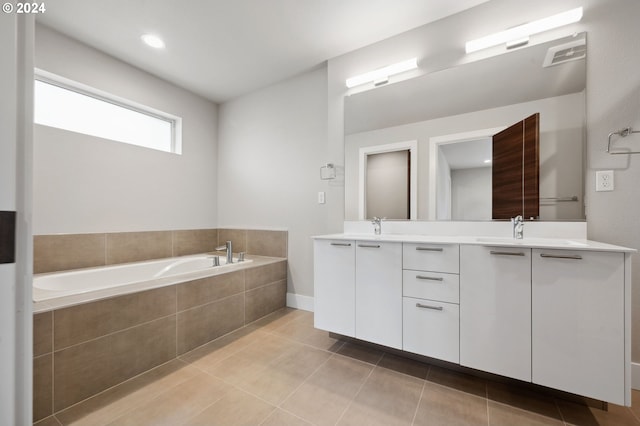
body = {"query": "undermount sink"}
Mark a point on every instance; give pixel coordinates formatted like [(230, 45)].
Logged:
[(531, 241)]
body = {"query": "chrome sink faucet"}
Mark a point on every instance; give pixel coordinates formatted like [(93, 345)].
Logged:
[(377, 225), (229, 249), (518, 227)]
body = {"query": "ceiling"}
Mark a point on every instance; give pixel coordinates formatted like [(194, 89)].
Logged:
[(222, 49)]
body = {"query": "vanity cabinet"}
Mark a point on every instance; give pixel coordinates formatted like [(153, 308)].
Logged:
[(495, 310), (431, 289), (378, 284), (579, 322), (334, 272)]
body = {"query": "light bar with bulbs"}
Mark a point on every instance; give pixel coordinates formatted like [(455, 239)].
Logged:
[(519, 35), (382, 75)]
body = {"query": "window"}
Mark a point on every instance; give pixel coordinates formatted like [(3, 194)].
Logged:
[(71, 106)]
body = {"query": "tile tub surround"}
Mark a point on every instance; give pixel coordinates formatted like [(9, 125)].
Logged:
[(82, 350), (62, 252)]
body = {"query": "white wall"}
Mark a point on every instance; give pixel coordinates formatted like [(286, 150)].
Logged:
[(88, 184), (471, 194), (271, 145)]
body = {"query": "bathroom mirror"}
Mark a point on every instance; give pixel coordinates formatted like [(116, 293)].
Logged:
[(452, 115)]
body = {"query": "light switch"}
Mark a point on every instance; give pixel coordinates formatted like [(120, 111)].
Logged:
[(321, 197), (604, 180)]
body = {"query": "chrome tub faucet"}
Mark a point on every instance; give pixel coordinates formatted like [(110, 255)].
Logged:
[(229, 249)]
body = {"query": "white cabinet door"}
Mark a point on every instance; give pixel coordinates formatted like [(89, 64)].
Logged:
[(495, 310), (578, 322), (431, 328), (334, 286), (379, 293)]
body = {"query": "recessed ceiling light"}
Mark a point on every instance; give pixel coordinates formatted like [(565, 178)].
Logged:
[(153, 41)]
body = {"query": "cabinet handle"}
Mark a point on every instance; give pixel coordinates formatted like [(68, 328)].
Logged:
[(341, 244), (429, 249), (562, 256), (435, 308), (422, 277), (507, 253), (369, 245)]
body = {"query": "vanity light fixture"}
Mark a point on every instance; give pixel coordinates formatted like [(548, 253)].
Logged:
[(153, 41), (519, 36), (381, 75)]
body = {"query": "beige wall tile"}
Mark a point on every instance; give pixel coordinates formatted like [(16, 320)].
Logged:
[(264, 300), (267, 243), (42, 333), (207, 290), (125, 247), (49, 421), (61, 252), (42, 387), (88, 321), (202, 324), (83, 370), (194, 241), (238, 238), (267, 274)]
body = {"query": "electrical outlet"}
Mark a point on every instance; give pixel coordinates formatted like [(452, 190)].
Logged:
[(321, 198), (604, 180)]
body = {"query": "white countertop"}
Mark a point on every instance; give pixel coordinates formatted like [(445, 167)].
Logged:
[(549, 243)]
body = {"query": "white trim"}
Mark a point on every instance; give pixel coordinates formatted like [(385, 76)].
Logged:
[(298, 301), (635, 375), (412, 146), (435, 142)]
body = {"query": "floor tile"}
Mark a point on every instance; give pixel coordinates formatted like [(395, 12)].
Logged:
[(302, 330), (525, 399), (235, 408), (361, 352), (457, 380), (582, 415), (112, 403), (282, 418), (505, 415), (327, 393), (404, 365), (440, 405), (286, 373), (386, 398), (172, 408), (49, 421)]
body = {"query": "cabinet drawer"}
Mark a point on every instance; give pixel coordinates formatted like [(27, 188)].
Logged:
[(431, 329), (431, 257), (431, 285)]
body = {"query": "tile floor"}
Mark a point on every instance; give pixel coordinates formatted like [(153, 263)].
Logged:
[(281, 371)]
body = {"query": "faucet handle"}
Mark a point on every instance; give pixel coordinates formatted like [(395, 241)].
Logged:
[(241, 256)]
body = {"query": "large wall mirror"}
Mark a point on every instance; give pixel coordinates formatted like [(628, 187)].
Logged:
[(461, 119)]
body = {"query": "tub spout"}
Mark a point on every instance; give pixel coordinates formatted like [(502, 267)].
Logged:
[(228, 248)]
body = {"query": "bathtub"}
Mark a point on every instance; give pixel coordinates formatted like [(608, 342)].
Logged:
[(163, 272)]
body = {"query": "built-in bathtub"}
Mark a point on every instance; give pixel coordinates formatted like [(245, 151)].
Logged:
[(97, 327), (59, 284)]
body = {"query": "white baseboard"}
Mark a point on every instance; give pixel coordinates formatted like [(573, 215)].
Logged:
[(635, 375), (299, 301)]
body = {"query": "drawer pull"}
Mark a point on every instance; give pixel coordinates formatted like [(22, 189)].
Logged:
[(369, 245), (435, 308), (422, 277), (341, 244), (507, 253), (562, 256), (429, 249)]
